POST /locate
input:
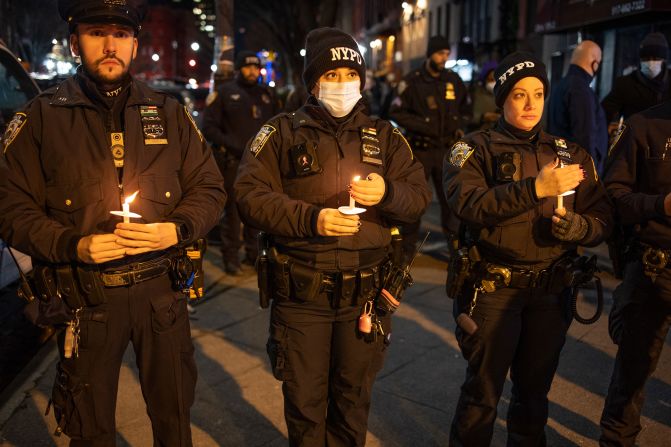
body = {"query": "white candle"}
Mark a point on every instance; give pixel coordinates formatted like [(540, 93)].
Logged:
[(560, 202), (125, 207), (352, 203)]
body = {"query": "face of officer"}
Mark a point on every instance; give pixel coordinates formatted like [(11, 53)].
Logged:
[(438, 59), (523, 107), (338, 90), (106, 51), (250, 74), (340, 74)]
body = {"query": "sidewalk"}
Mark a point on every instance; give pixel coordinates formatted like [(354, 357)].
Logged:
[(238, 402)]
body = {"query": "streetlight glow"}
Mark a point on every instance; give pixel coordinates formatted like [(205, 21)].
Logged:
[(195, 46), (155, 57)]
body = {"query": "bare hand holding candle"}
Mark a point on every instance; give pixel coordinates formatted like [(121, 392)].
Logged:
[(125, 213), (352, 209)]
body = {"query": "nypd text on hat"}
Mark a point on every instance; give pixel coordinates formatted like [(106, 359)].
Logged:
[(345, 54), (514, 68)]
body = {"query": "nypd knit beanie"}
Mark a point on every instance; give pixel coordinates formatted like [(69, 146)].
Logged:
[(329, 48), (514, 67), (437, 43)]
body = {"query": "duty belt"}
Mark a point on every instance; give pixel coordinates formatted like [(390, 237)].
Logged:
[(494, 276), (137, 272)]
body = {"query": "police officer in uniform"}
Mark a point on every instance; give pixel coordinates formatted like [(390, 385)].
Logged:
[(236, 111), (433, 106), (637, 179), (503, 184), (327, 265), (75, 154)]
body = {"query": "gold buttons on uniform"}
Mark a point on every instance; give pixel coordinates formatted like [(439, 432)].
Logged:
[(167, 194), (68, 202)]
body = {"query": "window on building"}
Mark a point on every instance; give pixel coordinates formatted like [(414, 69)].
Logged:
[(430, 23)]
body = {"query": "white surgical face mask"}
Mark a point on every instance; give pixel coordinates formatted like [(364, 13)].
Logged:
[(339, 98), (651, 69), (489, 86)]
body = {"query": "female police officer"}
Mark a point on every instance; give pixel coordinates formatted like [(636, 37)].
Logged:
[(297, 172), (503, 185)]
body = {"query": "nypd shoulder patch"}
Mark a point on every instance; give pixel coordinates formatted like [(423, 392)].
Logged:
[(261, 138), (13, 129), (460, 153)]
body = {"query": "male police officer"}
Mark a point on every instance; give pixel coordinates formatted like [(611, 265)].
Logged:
[(70, 158), (432, 106), (237, 111), (637, 179)]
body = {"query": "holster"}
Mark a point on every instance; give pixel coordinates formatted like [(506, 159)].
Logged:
[(458, 270), (44, 282), (90, 286), (67, 287)]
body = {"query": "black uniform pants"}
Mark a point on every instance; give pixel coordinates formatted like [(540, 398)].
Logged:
[(646, 316), (432, 161), (327, 370), (155, 319), (230, 221), (522, 330)]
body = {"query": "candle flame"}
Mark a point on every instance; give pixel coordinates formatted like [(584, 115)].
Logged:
[(131, 197), (356, 178)]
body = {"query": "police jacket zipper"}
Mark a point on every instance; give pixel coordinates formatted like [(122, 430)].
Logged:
[(339, 156)]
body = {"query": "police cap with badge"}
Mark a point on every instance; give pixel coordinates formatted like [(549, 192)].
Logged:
[(120, 12)]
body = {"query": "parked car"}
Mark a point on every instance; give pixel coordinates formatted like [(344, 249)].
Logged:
[(16, 89)]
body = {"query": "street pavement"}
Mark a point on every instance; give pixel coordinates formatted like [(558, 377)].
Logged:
[(239, 403)]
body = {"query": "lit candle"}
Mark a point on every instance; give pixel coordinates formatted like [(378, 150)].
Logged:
[(125, 209), (352, 203)]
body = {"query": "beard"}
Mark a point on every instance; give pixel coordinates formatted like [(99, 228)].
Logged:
[(106, 75), (250, 80), (435, 67)]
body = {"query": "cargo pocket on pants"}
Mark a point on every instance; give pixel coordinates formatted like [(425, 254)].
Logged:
[(168, 312), (72, 401), (278, 351)]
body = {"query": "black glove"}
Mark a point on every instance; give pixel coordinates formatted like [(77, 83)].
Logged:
[(571, 227)]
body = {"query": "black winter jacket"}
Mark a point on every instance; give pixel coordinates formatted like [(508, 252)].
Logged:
[(58, 181), (634, 93), (432, 107), (271, 196), (638, 176), (236, 113), (511, 224)]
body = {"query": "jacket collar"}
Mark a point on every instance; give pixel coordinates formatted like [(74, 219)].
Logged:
[(580, 72), (428, 77), (500, 136), (70, 94)]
